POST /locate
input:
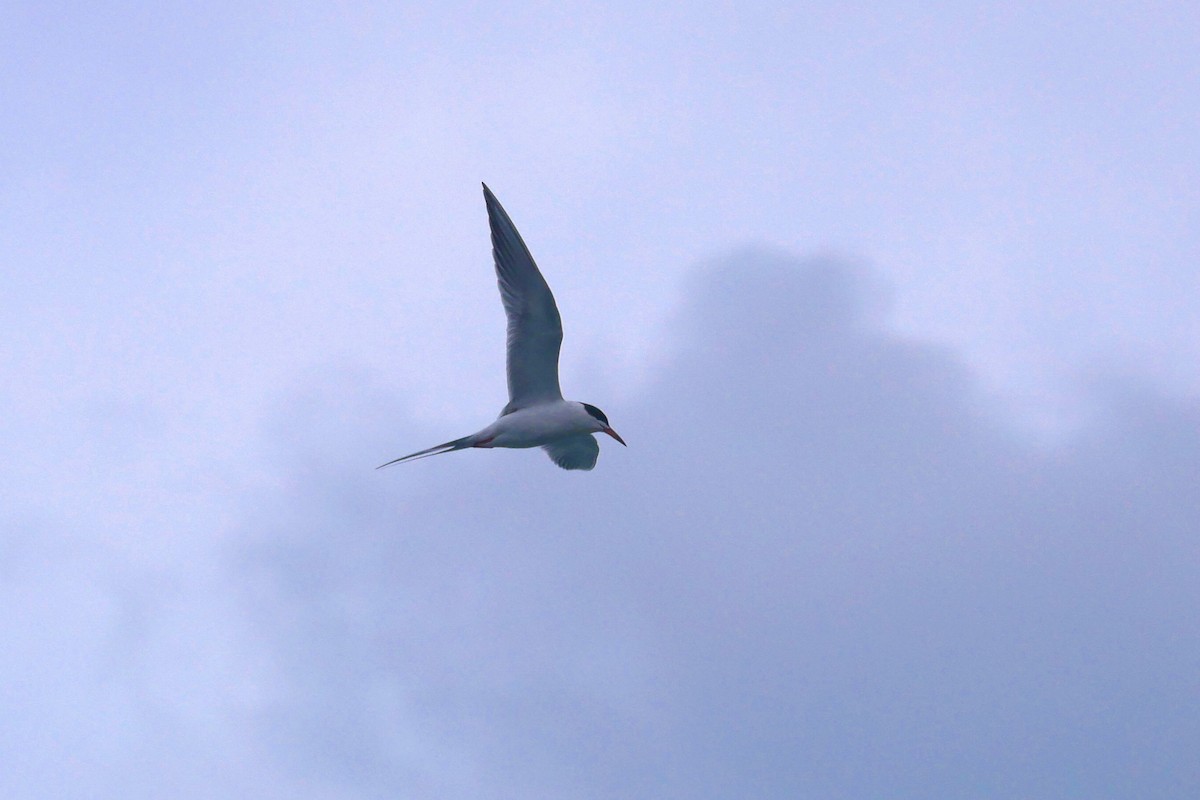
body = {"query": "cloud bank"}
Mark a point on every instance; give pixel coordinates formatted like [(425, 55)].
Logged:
[(823, 568)]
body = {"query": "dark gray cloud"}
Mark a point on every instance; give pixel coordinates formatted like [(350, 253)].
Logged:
[(823, 568)]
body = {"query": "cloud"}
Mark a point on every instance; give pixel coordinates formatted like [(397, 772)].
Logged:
[(824, 567)]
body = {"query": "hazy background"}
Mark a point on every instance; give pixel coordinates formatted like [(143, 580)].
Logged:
[(895, 304)]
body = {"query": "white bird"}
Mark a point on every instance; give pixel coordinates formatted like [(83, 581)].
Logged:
[(536, 414)]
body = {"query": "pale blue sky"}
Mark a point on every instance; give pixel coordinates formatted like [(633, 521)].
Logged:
[(246, 259)]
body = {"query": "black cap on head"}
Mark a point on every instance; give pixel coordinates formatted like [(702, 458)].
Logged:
[(595, 412)]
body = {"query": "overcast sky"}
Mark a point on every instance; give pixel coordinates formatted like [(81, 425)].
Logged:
[(897, 306)]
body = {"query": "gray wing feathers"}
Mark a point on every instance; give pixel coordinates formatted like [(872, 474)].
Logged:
[(534, 326), (574, 452)]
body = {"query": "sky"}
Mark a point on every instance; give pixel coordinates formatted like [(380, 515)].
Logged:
[(895, 304)]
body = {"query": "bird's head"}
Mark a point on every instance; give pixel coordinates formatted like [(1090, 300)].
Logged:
[(600, 422)]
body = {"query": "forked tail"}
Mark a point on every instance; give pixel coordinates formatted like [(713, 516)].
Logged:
[(448, 447)]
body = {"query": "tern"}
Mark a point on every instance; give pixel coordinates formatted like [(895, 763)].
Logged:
[(536, 414)]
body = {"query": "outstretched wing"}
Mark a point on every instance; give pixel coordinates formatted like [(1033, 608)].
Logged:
[(534, 327), (574, 452)]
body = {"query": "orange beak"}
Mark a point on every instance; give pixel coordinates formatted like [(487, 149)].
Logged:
[(613, 434)]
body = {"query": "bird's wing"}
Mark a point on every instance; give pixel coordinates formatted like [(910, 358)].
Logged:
[(534, 327), (574, 452)]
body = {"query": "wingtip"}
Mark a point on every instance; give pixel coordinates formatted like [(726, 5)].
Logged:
[(489, 200)]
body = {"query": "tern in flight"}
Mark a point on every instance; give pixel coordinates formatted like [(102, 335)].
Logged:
[(536, 414)]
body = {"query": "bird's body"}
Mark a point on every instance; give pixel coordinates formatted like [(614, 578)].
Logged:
[(536, 425), (536, 414)]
